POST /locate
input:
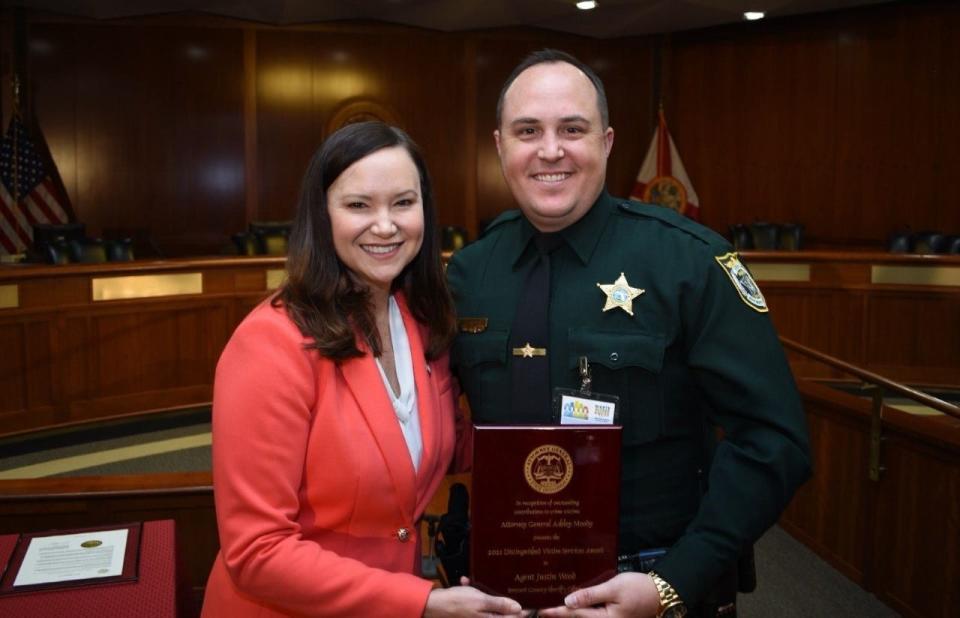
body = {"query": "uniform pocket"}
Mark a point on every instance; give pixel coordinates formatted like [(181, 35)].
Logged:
[(627, 365), (480, 362)]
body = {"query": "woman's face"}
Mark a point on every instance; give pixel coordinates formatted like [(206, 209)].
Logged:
[(376, 215)]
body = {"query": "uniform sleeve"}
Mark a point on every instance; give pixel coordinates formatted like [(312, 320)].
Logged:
[(264, 392), (738, 362)]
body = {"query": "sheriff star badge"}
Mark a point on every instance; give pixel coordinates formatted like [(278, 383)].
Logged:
[(620, 294)]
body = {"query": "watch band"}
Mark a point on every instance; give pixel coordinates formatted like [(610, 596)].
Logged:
[(669, 599)]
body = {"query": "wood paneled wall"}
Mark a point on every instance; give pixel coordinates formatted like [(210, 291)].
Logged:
[(186, 129), (844, 122)]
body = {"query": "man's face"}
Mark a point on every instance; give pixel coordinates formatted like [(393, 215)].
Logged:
[(553, 146)]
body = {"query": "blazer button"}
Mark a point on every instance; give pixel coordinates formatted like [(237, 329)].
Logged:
[(403, 535)]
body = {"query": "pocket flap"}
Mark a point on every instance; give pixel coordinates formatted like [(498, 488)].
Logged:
[(489, 346), (617, 350)]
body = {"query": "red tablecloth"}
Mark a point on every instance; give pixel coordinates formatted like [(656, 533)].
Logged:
[(153, 595)]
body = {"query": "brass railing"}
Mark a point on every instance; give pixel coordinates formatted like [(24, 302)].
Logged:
[(876, 387)]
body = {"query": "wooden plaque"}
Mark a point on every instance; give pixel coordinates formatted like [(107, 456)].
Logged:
[(544, 510)]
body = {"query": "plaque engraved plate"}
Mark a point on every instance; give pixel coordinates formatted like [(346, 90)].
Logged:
[(544, 510)]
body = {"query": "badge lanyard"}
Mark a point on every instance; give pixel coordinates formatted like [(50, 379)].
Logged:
[(584, 407)]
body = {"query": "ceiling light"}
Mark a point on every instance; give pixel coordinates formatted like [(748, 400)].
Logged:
[(586, 5), (753, 15)]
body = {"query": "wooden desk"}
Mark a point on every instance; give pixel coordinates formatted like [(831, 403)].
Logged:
[(81, 342), (75, 349), (896, 315), (154, 594)]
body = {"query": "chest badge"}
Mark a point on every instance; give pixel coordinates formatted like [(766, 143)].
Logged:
[(620, 294)]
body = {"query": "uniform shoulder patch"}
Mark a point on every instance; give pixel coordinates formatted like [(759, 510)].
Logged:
[(742, 281), (510, 215)]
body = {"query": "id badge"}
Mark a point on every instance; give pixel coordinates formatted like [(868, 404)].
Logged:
[(575, 407)]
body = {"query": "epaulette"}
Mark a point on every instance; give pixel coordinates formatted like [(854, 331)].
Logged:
[(510, 215), (673, 219)]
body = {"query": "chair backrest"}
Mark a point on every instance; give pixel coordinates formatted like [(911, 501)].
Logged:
[(900, 242), (765, 235), (791, 237), (453, 238), (55, 252), (271, 237), (952, 245), (119, 250), (88, 251), (245, 243), (45, 233), (740, 237), (929, 242)]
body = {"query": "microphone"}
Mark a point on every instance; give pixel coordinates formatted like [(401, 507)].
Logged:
[(453, 537)]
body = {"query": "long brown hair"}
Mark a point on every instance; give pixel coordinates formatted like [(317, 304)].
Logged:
[(321, 297)]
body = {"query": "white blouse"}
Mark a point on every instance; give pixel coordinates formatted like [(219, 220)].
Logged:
[(404, 404)]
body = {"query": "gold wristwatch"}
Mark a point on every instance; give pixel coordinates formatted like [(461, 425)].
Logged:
[(671, 606)]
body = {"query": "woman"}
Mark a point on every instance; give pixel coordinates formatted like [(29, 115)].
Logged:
[(334, 415)]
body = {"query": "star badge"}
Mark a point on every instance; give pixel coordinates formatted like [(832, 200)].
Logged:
[(620, 294)]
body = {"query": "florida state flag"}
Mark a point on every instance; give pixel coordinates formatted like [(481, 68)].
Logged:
[(662, 178)]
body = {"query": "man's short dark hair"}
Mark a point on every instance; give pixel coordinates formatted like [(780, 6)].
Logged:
[(549, 56)]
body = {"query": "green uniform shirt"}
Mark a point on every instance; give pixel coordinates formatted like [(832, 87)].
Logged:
[(699, 352)]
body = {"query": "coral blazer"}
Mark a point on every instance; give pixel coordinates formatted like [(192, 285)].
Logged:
[(317, 499)]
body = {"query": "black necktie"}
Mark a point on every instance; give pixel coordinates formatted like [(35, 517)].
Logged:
[(530, 338)]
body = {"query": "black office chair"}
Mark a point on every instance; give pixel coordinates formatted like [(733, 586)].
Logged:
[(51, 242), (929, 242), (120, 250), (791, 237), (740, 237), (766, 236), (88, 251), (952, 245), (244, 243), (271, 237), (900, 242), (453, 238), (55, 252)]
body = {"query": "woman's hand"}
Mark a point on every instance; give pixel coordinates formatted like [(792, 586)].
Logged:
[(465, 600)]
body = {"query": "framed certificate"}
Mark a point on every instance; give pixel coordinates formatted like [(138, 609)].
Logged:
[(72, 558), (544, 510)]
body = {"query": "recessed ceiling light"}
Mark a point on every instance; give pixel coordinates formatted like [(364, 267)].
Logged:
[(586, 5), (753, 15)]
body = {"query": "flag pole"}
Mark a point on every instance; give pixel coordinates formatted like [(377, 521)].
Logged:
[(16, 140)]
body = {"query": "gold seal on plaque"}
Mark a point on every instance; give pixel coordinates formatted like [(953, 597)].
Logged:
[(90, 544), (548, 469)]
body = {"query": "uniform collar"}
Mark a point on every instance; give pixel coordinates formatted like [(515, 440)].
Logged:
[(582, 237)]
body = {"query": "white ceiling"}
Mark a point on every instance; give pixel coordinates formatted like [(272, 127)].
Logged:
[(613, 18)]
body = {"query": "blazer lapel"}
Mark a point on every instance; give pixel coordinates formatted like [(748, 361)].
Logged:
[(364, 381), (426, 392)]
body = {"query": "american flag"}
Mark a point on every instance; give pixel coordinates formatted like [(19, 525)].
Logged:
[(28, 194)]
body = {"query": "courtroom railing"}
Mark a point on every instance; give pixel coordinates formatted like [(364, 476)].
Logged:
[(876, 387)]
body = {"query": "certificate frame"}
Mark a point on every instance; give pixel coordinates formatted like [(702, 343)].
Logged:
[(129, 574)]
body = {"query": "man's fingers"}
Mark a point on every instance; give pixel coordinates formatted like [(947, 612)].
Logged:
[(586, 597)]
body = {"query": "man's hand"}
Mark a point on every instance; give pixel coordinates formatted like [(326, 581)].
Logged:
[(632, 595)]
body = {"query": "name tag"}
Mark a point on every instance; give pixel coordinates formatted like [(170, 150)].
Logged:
[(573, 407)]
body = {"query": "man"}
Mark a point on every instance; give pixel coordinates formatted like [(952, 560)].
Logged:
[(667, 319)]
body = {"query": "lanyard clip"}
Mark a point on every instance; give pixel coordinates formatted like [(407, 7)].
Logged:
[(585, 379)]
